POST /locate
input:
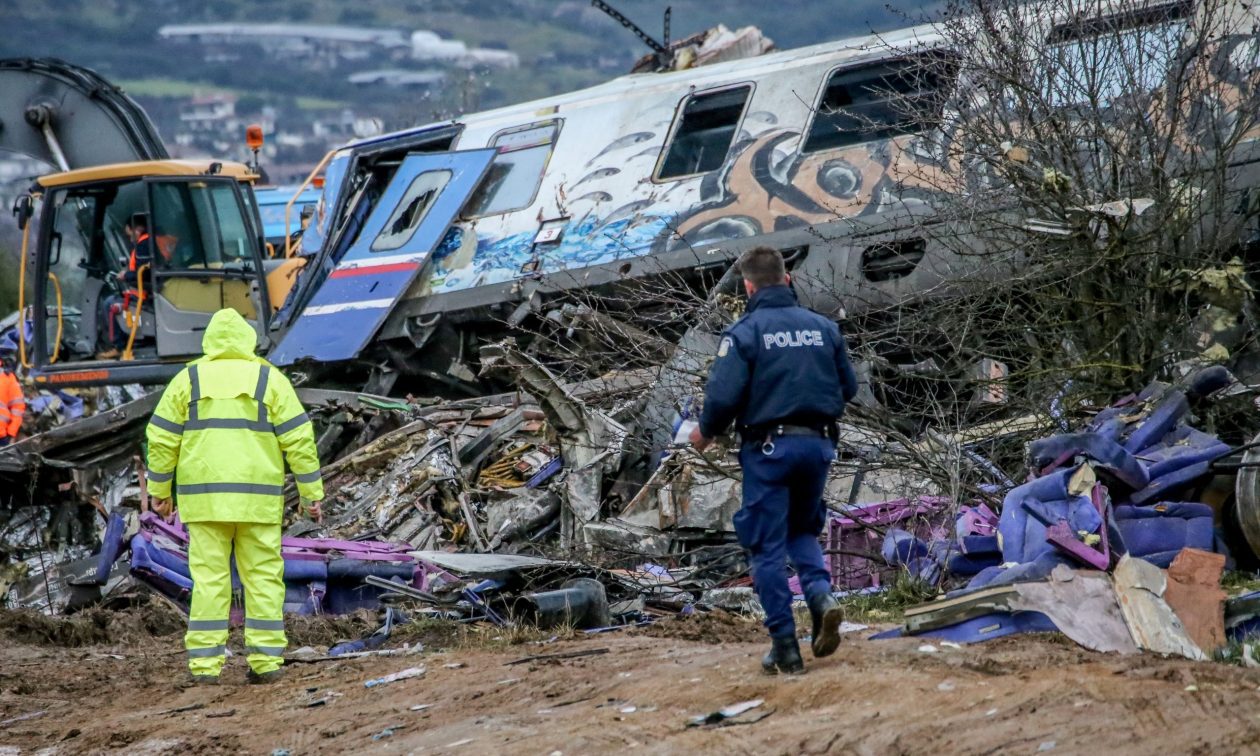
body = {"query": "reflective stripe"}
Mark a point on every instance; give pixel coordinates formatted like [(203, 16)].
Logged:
[(245, 488), (228, 424), (310, 477), (267, 650), (201, 653), (260, 393), (158, 477), (166, 425), (207, 625), (195, 382), (296, 422), (261, 624)]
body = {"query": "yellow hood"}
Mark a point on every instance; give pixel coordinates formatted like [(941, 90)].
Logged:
[(229, 337)]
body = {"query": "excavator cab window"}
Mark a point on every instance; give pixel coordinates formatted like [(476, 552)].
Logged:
[(198, 253), (83, 252), (208, 259)]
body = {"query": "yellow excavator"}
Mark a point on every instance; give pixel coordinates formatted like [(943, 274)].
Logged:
[(126, 252)]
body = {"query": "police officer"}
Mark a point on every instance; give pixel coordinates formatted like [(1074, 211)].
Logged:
[(782, 373)]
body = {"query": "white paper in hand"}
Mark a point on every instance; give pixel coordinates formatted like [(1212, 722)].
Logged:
[(683, 436)]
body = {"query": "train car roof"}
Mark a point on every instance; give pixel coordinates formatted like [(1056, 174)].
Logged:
[(852, 50)]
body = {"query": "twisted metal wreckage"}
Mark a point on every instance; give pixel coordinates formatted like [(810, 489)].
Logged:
[(450, 505)]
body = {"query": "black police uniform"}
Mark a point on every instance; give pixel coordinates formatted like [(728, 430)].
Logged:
[(783, 374)]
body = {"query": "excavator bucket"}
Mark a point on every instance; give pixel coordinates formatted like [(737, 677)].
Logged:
[(70, 117)]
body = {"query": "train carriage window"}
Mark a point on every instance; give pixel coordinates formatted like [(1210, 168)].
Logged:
[(411, 210), (881, 100), (706, 128), (1104, 59), (512, 181)]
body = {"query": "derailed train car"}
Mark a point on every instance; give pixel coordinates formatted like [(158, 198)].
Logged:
[(655, 175)]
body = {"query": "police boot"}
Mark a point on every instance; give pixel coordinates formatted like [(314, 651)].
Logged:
[(784, 656), (828, 615)]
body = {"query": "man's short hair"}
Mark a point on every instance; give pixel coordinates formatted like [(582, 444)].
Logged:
[(139, 220), (763, 266)]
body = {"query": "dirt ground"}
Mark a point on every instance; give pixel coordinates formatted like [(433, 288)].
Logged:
[(636, 689)]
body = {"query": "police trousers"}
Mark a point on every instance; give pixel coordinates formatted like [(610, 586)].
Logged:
[(261, 569), (781, 519)]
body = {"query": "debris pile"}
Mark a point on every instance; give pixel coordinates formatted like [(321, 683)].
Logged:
[(558, 505), (1112, 540)]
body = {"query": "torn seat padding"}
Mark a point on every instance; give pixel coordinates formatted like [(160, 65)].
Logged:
[(1106, 454), (1164, 530)]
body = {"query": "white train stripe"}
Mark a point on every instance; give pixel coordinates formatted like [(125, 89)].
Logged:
[(370, 304), (375, 261)]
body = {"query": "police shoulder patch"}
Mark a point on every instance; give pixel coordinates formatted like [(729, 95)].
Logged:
[(725, 346)]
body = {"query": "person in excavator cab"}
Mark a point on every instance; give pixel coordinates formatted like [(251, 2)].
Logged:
[(118, 310), (12, 401)]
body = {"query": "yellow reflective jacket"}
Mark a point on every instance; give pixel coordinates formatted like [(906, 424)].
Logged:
[(221, 428)]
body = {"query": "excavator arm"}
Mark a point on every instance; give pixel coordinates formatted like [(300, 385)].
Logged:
[(70, 117)]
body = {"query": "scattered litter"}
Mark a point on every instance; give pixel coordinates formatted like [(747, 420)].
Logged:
[(454, 665), (25, 717), (628, 709), (730, 714), (1048, 745), (405, 674), (185, 708), (990, 712), (388, 732), (927, 648), (1192, 688), (459, 743), (946, 686), (564, 655), (420, 707)]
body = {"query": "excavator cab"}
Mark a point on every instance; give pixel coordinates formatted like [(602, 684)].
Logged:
[(134, 259)]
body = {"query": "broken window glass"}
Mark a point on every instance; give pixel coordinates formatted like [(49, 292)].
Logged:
[(513, 178), (705, 132), (880, 101), (411, 210), (1099, 60)]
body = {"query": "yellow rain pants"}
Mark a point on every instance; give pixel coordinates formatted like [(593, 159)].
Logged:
[(261, 570)]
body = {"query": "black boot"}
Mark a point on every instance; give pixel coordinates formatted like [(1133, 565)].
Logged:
[(784, 656), (828, 615)]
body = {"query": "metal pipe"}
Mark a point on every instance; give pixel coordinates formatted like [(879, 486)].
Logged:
[(54, 146)]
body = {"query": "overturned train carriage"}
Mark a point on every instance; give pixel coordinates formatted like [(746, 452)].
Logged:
[(658, 178), (430, 242)]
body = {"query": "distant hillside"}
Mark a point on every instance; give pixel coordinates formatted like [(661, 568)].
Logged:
[(562, 45)]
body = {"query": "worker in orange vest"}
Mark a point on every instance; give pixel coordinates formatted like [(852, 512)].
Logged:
[(12, 404), (138, 268)]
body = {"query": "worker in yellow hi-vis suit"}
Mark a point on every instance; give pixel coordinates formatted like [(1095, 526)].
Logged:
[(222, 433)]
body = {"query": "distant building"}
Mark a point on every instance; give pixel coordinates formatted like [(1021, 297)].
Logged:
[(330, 46), (326, 45), (428, 46), (208, 112), (397, 77)]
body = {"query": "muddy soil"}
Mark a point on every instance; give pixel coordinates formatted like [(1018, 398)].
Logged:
[(1025, 695)]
